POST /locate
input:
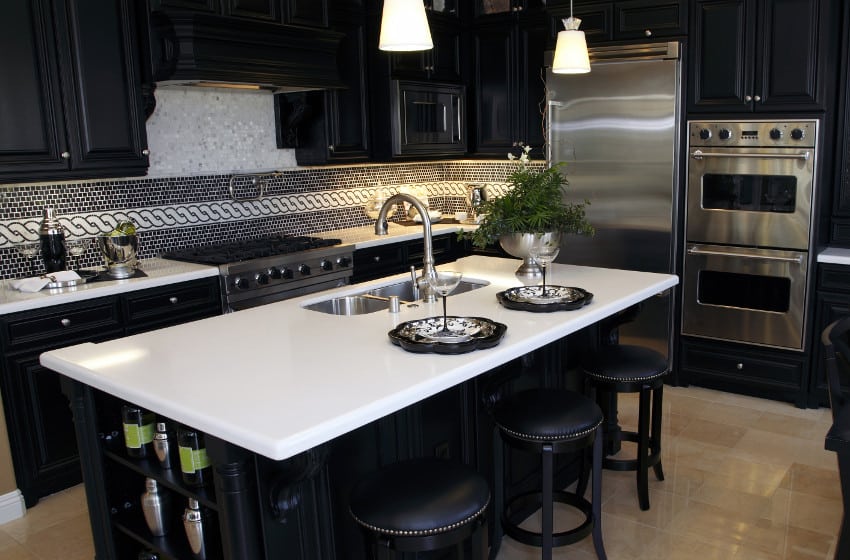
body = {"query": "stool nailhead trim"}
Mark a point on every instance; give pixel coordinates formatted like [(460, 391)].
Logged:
[(421, 533), (559, 437), (625, 379)]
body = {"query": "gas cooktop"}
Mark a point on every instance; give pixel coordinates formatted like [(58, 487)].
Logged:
[(238, 251)]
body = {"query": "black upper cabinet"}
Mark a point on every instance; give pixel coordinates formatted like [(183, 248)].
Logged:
[(502, 7), (311, 13), (509, 90), (758, 55), (627, 20), (441, 63), (70, 98), (264, 10)]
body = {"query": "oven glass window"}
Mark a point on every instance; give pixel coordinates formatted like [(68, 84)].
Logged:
[(745, 291), (754, 193)]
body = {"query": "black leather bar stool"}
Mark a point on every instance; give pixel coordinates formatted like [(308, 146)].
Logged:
[(548, 422), (624, 368), (422, 505)]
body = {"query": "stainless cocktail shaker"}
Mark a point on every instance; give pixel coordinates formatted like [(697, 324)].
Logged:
[(193, 523), (164, 445), (156, 506)]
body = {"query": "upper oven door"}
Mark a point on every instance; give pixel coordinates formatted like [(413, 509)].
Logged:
[(750, 196)]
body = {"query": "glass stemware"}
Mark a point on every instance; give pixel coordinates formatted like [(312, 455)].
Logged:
[(30, 251), (444, 282), (544, 250), (76, 249)]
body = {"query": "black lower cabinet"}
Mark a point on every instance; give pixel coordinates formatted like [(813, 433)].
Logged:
[(41, 432), (832, 303), (737, 368), (395, 258)]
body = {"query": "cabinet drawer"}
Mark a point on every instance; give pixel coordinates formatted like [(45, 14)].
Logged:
[(443, 249), (645, 19), (741, 366), (61, 325), (834, 278), (378, 261), (170, 305)]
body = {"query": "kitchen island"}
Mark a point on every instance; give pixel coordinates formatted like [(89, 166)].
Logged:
[(278, 381)]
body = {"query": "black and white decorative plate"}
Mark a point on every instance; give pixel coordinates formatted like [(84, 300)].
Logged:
[(556, 298), (466, 334)]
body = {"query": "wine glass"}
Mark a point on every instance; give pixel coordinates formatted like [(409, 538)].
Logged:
[(30, 251), (543, 250), (444, 282), (76, 249)]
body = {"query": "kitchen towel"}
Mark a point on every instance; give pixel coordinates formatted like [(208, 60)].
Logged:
[(38, 282)]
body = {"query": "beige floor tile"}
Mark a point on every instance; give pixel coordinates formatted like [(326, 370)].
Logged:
[(812, 480), (49, 511), (715, 433), (670, 546), (789, 425), (664, 507), (69, 540), (801, 544), (17, 552)]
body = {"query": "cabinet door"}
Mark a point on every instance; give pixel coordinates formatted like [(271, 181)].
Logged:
[(206, 6), (32, 130), (495, 90), (646, 19), (312, 13), (721, 69), (347, 109), (788, 56), (263, 10), (102, 93), (443, 61)]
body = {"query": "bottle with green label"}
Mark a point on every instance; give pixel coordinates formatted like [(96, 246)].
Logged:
[(194, 462), (138, 430)]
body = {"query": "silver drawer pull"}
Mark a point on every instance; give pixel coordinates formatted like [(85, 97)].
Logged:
[(699, 154), (795, 259), (739, 365), (173, 299), (65, 322)]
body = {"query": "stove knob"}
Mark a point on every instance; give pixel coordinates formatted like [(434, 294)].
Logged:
[(304, 270), (344, 262), (705, 134), (241, 283), (274, 272), (798, 134), (286, 273), (262, 278), (326, 265), (724, 134), (775, 134)]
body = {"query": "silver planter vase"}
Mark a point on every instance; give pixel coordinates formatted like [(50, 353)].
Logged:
[(519, 245)]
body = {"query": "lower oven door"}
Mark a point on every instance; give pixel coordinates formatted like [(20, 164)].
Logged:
[(742, 294)]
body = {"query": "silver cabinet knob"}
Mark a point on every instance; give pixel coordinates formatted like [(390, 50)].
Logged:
[(146, 152), (65, 322), (757, 98), (647, 32), (376, 258), (739, 366), (331, 148), (173, 300), (65, 155), (748, 98)]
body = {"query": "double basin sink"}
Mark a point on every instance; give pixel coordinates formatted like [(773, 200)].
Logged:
[(376, 299)]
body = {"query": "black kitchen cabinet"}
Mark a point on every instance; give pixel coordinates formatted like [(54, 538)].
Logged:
[(839, 225), (395, 258), (832, 303), (332, 126), (70, 97), (509, 87), (760, 55), (441, 63), (312, 13), (41, 435), (484, 8), (737, 368), (628, 20)]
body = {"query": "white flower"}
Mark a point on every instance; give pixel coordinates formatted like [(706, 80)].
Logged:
[(511, 156)]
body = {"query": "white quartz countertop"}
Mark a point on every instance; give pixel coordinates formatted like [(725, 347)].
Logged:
[(834, 255), (160, 272), (280, 379)]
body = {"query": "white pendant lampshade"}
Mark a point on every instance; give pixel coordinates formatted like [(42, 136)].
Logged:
[(404, 26), (571, 50)]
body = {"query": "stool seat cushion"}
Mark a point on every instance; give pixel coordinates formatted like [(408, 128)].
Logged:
[(625, 363), (547, 415), (419, 497)]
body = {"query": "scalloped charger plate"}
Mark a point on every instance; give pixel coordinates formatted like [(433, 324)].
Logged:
[(467, 334)]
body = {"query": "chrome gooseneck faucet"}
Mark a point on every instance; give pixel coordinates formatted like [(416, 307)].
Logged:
[(428, 259)]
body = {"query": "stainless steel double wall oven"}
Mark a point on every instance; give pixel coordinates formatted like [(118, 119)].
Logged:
[(748, 228)]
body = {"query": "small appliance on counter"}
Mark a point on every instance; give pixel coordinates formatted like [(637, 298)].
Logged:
[(52, 238), (119, 251)]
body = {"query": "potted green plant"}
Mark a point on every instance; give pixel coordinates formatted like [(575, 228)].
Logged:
[(534, 205)]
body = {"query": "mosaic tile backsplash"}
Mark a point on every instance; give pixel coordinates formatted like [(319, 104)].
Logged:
[(172, 213)]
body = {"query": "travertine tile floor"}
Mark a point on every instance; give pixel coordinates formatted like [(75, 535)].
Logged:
[(746, 479)]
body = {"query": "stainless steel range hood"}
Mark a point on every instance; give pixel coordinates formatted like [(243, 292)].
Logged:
[(211, 50)]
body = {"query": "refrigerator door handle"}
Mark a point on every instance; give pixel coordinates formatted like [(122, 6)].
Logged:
[(699, 154)]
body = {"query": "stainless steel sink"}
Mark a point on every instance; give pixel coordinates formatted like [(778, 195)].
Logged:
[(360, 304)]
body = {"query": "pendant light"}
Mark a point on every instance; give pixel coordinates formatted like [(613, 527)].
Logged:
[(404, 26), (571, 48)]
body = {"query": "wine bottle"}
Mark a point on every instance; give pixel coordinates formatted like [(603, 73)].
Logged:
[(194, 462), (138, 430)]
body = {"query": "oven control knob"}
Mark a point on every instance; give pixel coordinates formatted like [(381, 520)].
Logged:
[(274, 272), (241, 283), (724, 134), (304, 270), (262, 278), (343, 262), (798, 134), (286, 273), (326, 265), (705, 134), (775, 134)]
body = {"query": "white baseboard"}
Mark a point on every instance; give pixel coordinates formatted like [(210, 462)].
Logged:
[(12, 506)]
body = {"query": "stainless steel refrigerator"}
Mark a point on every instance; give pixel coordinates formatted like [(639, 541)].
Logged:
[(617, 132)]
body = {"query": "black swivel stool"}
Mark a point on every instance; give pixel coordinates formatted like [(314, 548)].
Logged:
[(548, 422), (422, 505), (624, 368)]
